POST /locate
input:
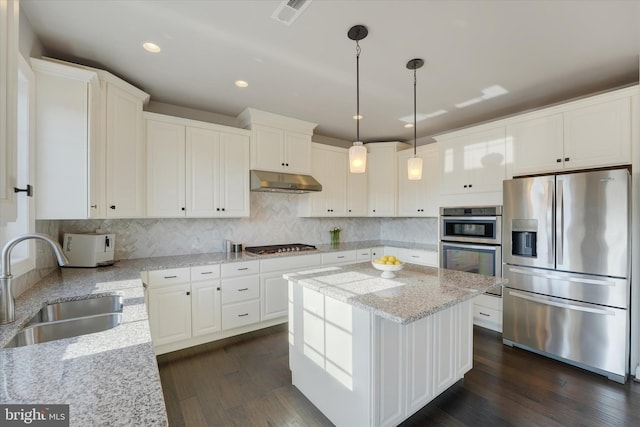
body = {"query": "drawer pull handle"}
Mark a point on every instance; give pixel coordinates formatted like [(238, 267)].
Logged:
[(340, 257), (484, 314), (242, 315), (243, 289), (244, 268), (206, 272), (170, 277), (415, 256)]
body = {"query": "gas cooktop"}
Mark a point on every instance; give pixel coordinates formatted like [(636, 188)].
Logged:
[(276, 249)]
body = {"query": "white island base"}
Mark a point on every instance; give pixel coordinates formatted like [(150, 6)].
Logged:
[(360, 369)]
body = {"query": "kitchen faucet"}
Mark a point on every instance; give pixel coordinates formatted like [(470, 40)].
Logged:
[(7, 302)]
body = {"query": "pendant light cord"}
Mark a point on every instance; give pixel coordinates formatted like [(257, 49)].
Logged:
[(415, 132), (357, 91)]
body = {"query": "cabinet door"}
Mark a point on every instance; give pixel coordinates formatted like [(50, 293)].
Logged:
[(485, 160), (61, 150), (267, 149), (205, 307), (165, 169), (274, 296), (125, 154), (382, 182), (410, 193), (357, 194), (598, 135), (337, 166), (431, 181), (170, 313), (234, 175), (453, 172), (203, 168), (537, 144), (297, 152), (319, 201)]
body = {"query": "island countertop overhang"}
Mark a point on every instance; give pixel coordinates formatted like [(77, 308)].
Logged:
[(416, 291)]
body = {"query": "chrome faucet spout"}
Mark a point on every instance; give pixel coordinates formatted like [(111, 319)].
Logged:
[(7, 301)]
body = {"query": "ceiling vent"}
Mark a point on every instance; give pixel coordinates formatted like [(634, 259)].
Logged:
[(289, 10)]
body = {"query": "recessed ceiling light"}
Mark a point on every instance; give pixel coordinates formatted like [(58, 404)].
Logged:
[(358, 117), (241, 83), (151, 47)]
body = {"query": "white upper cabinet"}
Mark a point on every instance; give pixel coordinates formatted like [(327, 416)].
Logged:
[(9, 17), (67, 154), (591, 132), (382, 178), (419, 198), (357, 194), (472, 164), (278, 143), (124, 147), (196, 169), (329, 165), (89, 125)]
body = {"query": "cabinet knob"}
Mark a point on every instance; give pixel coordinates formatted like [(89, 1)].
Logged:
[(112, 207), (465, 186), (558, 160), (566, 159), (286, 164), (470, 185), (282, 164), (218, 288), (349, 210), (373, 210), (222, 209), (94, 206), (188, 293), (28, 190), (183, 209), (218, 209)]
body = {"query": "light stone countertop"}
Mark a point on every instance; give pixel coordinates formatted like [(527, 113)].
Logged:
[(111, 377), (414, 293)]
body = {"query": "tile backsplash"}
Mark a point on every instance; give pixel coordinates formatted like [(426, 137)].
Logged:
[(274, 219)]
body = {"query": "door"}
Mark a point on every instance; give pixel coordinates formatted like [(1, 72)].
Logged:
[(528, 223), (234, 175), (170, 313), (592, 217), (205, 307)]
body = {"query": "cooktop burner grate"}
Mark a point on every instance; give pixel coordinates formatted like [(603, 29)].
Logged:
[(275, 249)]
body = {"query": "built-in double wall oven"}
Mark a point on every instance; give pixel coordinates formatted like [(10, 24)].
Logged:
[(471, 240)]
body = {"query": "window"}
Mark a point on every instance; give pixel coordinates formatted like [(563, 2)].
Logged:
[(23, 255)]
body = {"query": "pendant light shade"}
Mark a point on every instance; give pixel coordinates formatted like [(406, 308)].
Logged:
[(414, 164), (358, 152), (358, 158)]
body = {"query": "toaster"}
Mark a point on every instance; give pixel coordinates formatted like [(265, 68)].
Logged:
[(89, 250)]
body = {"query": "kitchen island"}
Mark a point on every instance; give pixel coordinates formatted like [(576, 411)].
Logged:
[(369, 351)]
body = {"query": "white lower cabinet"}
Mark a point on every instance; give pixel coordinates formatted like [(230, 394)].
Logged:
[(240, 294), (416, 256), (205, 300), (170, 313)]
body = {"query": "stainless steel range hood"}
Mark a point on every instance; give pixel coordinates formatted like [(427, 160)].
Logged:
[(279, 182)]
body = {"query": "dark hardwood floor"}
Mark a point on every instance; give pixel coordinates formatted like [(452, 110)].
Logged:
[(245, 381)]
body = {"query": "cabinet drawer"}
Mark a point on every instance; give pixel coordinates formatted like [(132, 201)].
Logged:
[(427, 258), (205, 272), (363, 254), (341, 257), (244, 313), (243, 268), (240, 289), (169, 276), (487, 317), (489, 301), (289, 263)]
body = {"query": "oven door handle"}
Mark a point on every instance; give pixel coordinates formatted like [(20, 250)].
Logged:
[(470, 218), (492, 248)]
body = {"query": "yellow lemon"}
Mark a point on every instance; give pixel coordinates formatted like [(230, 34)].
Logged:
[(391, 258), (396, 262)]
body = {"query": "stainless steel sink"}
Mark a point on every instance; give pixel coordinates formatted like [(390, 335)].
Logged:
[(79, 308), (71, 319), (50, 331)]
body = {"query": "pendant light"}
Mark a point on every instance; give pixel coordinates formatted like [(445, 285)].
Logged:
[(358, 152), (414, 165)]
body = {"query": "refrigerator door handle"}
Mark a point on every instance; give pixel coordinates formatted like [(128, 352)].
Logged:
[(560, 221), (574, 307), (579, 280), (550, 250)]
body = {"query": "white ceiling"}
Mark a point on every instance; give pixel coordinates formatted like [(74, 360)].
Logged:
[(541, 51)]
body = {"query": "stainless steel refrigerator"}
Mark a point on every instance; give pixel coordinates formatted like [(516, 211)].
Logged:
[(566, 249)]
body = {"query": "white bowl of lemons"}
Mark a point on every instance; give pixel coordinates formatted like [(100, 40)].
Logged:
[(388, 264)]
